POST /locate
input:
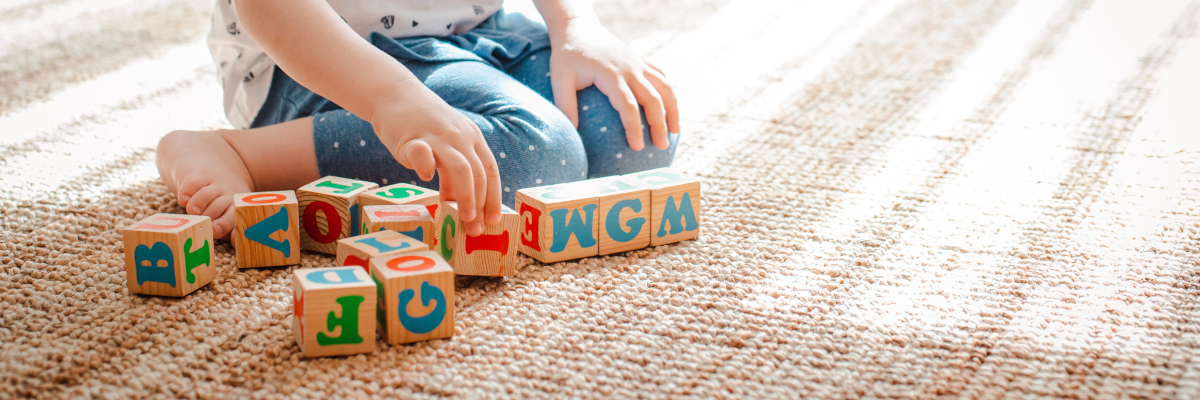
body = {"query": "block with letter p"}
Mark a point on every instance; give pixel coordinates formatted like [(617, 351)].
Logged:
[(266, 229), (333, 311), (492, 253), (413, 220), (558, 222), (169, 254), (675, 212), (416, 296), (329, 211), (359, 250)]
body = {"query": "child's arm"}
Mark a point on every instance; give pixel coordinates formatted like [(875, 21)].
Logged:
[(584, 54), (310, 42)]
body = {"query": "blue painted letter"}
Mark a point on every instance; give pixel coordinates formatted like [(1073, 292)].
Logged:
[(430, 321), (418, 233), (613, 222), (146, 260), (344, 276), (379, 246), (678, 216), (580, 226), (261, 232)]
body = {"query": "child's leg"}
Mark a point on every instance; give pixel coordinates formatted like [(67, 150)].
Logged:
[(600, 127)]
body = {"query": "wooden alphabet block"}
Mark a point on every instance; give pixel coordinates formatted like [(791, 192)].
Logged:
[(401, 193), (359, 250), (413, 220), (329, 211), (266, 229), (624, 215), (492, 253), (169, 254), (333, 311), (676, 207), (558, 222), (416, 297)]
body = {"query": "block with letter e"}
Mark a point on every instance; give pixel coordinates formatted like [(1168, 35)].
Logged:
[(329, 211), (333, 311), (491, 253), (401, 194), (359, 250), (675, 209), (416, 296), (266, 229), (558, 222), (413, 220), (169, 254)]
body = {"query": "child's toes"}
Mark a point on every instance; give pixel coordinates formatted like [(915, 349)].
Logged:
[(188, 188), (202, 199), (223, 225)]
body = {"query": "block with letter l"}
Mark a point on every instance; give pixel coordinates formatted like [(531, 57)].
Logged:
[(333, 311), (169, 254)]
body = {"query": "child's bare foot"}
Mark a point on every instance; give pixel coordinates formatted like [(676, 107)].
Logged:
[(204, 172)]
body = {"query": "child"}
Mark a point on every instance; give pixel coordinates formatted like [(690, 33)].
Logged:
[(491, 101)]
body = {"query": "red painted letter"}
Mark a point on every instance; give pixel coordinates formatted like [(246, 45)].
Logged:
[(530, 235), (332, 219)]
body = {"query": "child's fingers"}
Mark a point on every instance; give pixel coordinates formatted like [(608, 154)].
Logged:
[(625, 103), (670, 103), (479, 178), (418, 156), (223, 225), (491, 207), (563, 86), (188, 189), (652, 102), (200, 201), (457, 170)]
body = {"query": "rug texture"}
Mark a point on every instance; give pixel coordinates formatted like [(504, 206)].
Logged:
[(902, 198)]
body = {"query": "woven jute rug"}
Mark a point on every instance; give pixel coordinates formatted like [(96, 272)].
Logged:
[(911, 198)]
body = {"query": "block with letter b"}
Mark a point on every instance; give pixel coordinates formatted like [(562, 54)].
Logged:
[(329, 211), (333, 311), (359, 250), (558, 222), (492, 253), (675, 212), (416, 296), (266, 229), (169, 254), (400, 194), (413, 220)]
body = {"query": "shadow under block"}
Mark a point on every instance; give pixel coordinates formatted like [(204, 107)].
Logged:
[(266, 229), (558, 222), (329, 212), (492, 253), (359, 250), (416, 297), (169, 254), (624, 215), (333, 311), (675, 204), (399, 194), (413, 220)]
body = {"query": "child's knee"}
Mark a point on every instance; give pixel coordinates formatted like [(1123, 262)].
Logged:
[(607, 146)]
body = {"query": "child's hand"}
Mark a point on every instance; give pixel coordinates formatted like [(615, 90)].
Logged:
[(586, 54), (426, 134)]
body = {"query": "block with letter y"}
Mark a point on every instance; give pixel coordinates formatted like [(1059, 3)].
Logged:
[(675, 209), (491, 253), (169, 254), (416, 296), (329, 211), (333, 311), (558, 222), (359, 250), (266, 229)]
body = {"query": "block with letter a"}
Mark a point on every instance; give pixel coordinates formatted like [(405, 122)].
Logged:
[(359, 250), (266, 229), (491, 253), (410, 219), (558, 222), (169, 254), (329, 211), (333, 311), (675, 210), (416, 296)]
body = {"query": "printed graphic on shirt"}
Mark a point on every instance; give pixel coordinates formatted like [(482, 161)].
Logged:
[(388, 21)]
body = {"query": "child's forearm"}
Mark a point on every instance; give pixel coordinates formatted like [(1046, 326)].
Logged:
[(310, 42), (560, 13)]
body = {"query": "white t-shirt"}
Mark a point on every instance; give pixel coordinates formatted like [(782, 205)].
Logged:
[(245, 71)]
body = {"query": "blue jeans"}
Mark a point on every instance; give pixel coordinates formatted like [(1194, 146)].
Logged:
[(498, 75)]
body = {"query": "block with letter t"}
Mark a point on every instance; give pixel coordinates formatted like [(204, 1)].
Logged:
[(416, 296), (491, 253), (333, 311), (329, 211), (359, 250), (558, 222), (410, 219), (169, 254), (400, 194), (675, 210), (266, 229)]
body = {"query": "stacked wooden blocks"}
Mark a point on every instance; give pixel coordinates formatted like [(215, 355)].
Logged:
[(359, 250), (333, 311), (416, 296), (169, 254), (329, 212), (491, 253), (400, 194), (413, 220), (266, 229)]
